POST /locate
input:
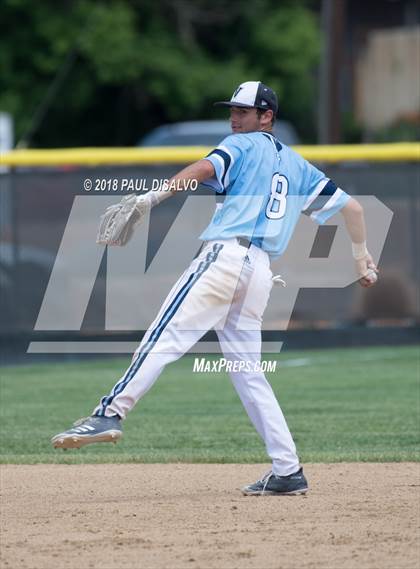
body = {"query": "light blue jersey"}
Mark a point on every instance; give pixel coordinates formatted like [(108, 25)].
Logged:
[(267, 185)]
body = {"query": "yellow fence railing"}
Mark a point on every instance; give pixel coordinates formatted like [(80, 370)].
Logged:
[(393, 152)]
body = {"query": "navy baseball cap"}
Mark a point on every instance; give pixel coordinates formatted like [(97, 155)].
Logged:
[(252, 94)]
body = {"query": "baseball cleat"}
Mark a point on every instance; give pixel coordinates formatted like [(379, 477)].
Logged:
[(273, 485), (89, 430)]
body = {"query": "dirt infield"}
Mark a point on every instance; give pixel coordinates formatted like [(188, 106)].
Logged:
[(193, 516)]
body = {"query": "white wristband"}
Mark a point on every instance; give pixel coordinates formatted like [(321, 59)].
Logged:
[(359, 250), (157, 196)]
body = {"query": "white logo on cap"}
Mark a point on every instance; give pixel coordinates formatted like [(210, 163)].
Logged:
[(246, 93), (237, 91)]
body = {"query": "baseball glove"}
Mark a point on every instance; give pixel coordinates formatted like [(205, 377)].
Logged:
[(117, 224)]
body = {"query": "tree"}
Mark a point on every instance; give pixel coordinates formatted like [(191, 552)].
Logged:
[(103, 73)]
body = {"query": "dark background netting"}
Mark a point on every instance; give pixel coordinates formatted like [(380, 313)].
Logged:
[(35, 206)]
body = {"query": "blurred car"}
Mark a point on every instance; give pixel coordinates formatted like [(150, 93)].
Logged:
[(208, 133), (23, 280)]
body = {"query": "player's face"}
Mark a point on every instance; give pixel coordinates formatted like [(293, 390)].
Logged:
[(247, 120)]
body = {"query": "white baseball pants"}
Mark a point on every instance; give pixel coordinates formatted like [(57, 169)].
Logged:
[(226, 288)]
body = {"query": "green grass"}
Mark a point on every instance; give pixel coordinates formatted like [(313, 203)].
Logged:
[(342, 405)]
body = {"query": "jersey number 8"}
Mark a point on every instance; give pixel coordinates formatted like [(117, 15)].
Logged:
[(276, 207)]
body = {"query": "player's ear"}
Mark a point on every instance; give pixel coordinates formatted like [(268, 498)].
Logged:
[(267, 117)]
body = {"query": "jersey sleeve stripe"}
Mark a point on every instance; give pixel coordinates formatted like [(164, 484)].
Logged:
[(328, 189), (225, 159), (329, 204), (318, 189), (322, 199), (228, 165)]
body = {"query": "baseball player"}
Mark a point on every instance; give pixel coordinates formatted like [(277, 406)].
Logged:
[(226, 287)]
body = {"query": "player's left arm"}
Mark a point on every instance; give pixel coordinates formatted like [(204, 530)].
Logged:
[(198, 171), (118, 223), (356, 227)]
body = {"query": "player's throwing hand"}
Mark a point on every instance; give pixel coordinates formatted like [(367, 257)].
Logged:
[(368, 272)]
